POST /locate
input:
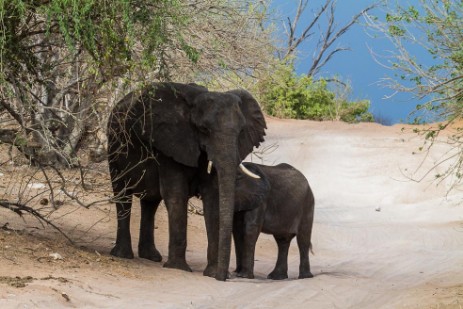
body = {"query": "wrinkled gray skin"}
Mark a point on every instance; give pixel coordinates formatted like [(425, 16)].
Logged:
[(159, 142), (281, 203)]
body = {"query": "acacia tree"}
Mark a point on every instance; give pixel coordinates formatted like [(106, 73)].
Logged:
[(435, 27), (56, 55), (64, 62)]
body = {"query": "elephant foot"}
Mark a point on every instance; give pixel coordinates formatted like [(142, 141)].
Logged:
[(222, 276), (177, 264), (245, 274), (305, 275), (275, 275), (122, 252), (150, 253), (210, 271)]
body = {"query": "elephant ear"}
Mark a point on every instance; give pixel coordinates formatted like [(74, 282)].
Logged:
[(171, 130), (251, 193), (254, 130)]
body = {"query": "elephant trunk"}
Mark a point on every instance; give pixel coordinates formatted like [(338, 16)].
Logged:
[(226, 180)]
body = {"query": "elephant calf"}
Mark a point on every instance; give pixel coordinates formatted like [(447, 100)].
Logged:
[(280, 203)]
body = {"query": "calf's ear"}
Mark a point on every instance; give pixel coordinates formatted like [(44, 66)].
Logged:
[(251, 193), (245, 206)]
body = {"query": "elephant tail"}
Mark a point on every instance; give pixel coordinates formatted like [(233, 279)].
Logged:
[(311, 249)]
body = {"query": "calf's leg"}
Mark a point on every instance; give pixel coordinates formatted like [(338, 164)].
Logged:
[(303, 242), (281, 268)]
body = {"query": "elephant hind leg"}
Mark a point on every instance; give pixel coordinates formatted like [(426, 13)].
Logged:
[(238, 238), (303, 242), (304, 236), (281, 268), (146, 246), (123, 199), (123, 247)]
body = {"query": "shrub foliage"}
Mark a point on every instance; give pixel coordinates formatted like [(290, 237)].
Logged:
[(287, 95)]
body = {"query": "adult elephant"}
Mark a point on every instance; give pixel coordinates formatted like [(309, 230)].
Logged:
[(171, 141)]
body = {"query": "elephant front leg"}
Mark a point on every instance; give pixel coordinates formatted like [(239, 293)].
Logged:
[(247, 268), (250, 226), (146, 247), (177, 213), (281, 268), (174, 189), (123, 247)]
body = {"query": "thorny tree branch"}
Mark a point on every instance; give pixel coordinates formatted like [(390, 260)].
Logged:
[(20, 208)]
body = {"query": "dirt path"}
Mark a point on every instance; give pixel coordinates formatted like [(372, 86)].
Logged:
[(380, 239)]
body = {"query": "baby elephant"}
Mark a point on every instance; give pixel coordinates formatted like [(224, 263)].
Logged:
[(281, 203)]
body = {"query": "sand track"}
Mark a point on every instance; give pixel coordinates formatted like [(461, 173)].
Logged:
[(380, 239)]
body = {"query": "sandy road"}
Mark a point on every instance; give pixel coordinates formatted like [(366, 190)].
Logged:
[(380, 239)]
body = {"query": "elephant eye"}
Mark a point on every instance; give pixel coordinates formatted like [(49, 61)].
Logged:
[(204, 130)]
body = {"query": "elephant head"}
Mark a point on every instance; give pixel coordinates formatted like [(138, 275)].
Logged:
[(188, 122)]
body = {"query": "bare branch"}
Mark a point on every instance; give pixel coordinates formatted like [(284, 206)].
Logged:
[(293, 42), (323, 52), (20, 208)]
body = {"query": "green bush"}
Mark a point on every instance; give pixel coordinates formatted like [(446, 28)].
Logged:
[(286, 95), (356, 112)]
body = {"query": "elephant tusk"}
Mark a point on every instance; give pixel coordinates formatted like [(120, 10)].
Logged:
[(209, 167), (248, 172)]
